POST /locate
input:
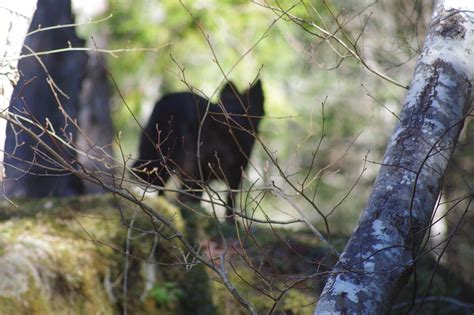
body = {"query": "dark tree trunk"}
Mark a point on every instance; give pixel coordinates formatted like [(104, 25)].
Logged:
[(96, 128), (47, 95)]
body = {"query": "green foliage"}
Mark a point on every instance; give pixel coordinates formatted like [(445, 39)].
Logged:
[(166, 294)]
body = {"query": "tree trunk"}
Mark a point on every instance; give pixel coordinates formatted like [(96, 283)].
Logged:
[(97, 131), (15, 18), (382, 251), (47, 95)]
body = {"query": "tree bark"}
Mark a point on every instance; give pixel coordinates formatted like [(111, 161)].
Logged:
[(47, 95), (97, 131), (15, 18), (382, 251)]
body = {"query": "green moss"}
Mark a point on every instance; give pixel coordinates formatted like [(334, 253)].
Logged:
[(246, 282), (56, 253), (42, 272)]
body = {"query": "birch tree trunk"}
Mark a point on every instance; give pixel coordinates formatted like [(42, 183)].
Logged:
[(380, 255), (15, 18)]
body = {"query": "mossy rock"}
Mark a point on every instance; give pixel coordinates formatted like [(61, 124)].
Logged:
[(42, 272), (56, 254)]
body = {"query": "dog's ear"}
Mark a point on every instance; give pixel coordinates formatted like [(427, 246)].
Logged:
[(229, 90)]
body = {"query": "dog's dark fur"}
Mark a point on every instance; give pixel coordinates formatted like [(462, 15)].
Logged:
[(226, 133)]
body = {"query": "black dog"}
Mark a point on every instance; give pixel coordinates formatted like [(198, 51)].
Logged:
[(225, 132)]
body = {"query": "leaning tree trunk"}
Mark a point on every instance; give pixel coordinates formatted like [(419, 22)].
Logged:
[(15, 18), (47, 99), (381, 253)]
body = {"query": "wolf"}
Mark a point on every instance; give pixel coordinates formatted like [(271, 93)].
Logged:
[(189, 136)]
